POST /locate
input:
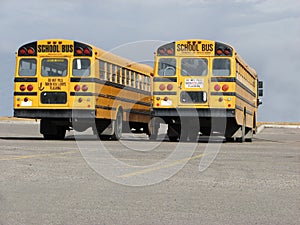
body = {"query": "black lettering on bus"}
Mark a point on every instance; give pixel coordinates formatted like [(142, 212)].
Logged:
[(48, 48), (207, 47), (67, 48), (189, 47)]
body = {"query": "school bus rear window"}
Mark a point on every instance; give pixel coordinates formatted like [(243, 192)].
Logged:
[(55, 67), (27, 67), (81, 67), (221, 67)]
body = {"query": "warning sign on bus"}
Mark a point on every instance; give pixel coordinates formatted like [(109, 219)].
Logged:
[(194, 83)]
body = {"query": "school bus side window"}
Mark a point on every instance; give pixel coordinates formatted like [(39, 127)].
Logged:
[(167, 67), (221, 67), (27, 67), (102, 70), (81, 67)]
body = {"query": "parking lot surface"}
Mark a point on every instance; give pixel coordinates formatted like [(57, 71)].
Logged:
[(77, 182)]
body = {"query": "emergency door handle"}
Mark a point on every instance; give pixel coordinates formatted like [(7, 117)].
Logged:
[(180, 85)]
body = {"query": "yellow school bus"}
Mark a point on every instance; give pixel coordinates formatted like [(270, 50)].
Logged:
[(73, 85), (207, 80)]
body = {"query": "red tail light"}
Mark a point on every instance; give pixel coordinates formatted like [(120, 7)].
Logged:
[(217, 87), (29, 87), (162, 87), (170, 87), (22, 87), (225, 87), (77, 87), (84, 87)]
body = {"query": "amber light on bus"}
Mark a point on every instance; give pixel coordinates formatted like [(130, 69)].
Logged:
[(81, 51), (164, 51), (226, 51), (25, 51)]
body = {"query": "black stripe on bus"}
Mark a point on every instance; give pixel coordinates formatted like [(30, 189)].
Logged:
[(134, 111), (124, 99), (105, 107), (21, 79), (223, 93), (165, 79), (245, 88), (241, 109), (140, 112), (164, 93), (223, 79), (111, 84), (25, 93), (245, 100), (82, 94)]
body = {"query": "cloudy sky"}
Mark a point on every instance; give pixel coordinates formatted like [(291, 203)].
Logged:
[(266, 33)]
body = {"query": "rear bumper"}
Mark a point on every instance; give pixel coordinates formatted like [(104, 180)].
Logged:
[(54, 113), (194, 112)]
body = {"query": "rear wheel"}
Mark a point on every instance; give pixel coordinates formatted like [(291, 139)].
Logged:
[(242, 138), (118, 126), (173, 132), (51, 131)]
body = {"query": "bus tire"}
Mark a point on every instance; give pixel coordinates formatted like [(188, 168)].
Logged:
[(243, 127), (51, 131), (118, 126), (59, 135)]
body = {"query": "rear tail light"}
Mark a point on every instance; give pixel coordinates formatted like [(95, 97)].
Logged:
[(77, 87), (170, 87), (29, 87), (162, 87), (225, 87), (22, 87), (84, 87), (26, 99), (217, 87)]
